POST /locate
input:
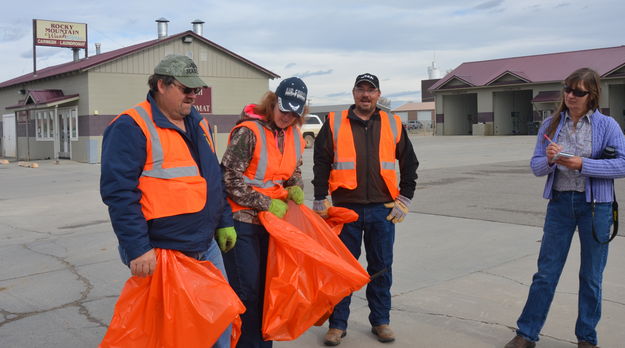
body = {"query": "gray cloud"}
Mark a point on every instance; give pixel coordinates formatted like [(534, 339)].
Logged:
[(402, 94), (338, 95), (328, 36), (314, 73), (44, 53), (488, 5), (12, 33)]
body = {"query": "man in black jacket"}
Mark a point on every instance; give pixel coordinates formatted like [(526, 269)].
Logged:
[(354, 160)]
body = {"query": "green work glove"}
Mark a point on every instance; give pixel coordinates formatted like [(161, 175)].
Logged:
[(296, 194), (226, 238), (278, 207)]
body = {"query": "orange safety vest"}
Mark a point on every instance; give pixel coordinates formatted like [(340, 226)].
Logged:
[(269, 167), (343, 172), (170, 183)]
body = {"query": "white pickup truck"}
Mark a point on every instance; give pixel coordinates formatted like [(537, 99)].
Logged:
[(310, 129)]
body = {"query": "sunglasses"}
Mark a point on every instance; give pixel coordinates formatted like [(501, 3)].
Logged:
[(188, 90), (576, 92)]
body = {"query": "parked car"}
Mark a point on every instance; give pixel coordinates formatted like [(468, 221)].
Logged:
[(310, 129), (413, 125)]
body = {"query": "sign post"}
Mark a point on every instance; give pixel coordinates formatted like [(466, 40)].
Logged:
[(58, 34)]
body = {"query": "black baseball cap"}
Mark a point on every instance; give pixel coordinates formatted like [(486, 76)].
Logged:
[(292, 95), (369, 78)]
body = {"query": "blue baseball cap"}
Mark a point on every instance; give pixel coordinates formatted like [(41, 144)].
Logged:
[(292, 95)]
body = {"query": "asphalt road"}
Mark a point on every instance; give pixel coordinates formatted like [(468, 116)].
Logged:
[(464, 257)]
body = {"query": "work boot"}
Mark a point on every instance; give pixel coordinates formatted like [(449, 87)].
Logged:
[(333, 337), (520, 342), (384, 333), (584, 344)]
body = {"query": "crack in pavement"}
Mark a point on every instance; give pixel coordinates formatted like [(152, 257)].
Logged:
[(79, 303), (50, 270), (461, 276), (449, 316), (21, 229), (85, 224), (11, 317), (557, 292)]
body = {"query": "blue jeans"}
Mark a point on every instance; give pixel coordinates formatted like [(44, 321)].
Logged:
[(379, 236), (213, 254), (246, 265), (566, 211)]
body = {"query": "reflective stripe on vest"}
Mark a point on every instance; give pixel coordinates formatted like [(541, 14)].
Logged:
[(207, 133), (395, 131), (157, 170), (269, 167), (170, 183), (261, 169), (337, 165), (343, 172)]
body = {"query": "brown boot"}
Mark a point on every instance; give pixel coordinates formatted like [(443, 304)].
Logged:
[(333, 337), (520, 342), (384, 333), (584, 344)]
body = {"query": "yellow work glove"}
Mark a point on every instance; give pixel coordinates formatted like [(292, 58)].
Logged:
[(278, 207), (296, 194), (400, 209), (226, 238), (321, 207)]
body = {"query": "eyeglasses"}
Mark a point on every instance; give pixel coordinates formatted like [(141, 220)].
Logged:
[(188, 90), (576, 92), (360, 90)]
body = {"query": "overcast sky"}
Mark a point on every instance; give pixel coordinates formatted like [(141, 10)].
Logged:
[(328, 43)]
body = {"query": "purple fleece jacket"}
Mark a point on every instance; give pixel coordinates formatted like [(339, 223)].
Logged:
[(605, 132)]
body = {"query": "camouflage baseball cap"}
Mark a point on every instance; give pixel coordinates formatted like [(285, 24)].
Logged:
[(182, 68)]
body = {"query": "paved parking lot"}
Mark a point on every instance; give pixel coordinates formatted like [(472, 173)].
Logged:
[(463, 263)]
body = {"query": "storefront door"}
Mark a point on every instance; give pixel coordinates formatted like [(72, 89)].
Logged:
[(8, 135)]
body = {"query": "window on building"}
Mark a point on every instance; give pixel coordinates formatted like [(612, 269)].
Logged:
[(546, 113), (73, 123), (44, 125)]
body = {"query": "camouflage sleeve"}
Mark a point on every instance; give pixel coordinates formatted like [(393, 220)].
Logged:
[(296, 178), (234, 163)]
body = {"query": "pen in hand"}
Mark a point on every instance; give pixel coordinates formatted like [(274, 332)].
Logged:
[(554, 158), (547, 137)]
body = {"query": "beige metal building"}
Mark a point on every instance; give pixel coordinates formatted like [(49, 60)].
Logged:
[(514, 95), (423, 112), (62, 111)]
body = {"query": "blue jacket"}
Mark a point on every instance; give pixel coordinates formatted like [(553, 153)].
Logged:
[(605, 132), (123, 159)]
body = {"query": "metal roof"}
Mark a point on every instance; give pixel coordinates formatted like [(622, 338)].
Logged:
[(99, 59), (43, 97), (546, 97), (532, 69), (416, 107)]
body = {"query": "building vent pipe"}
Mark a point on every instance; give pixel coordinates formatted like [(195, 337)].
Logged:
[(161, 25), (198, 26), (97, 48)]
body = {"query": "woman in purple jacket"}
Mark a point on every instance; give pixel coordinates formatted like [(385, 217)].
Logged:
[(583, 175)]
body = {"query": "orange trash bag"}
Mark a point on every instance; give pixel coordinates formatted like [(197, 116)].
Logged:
[(185, 303), (309, 271), (338, 216)]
